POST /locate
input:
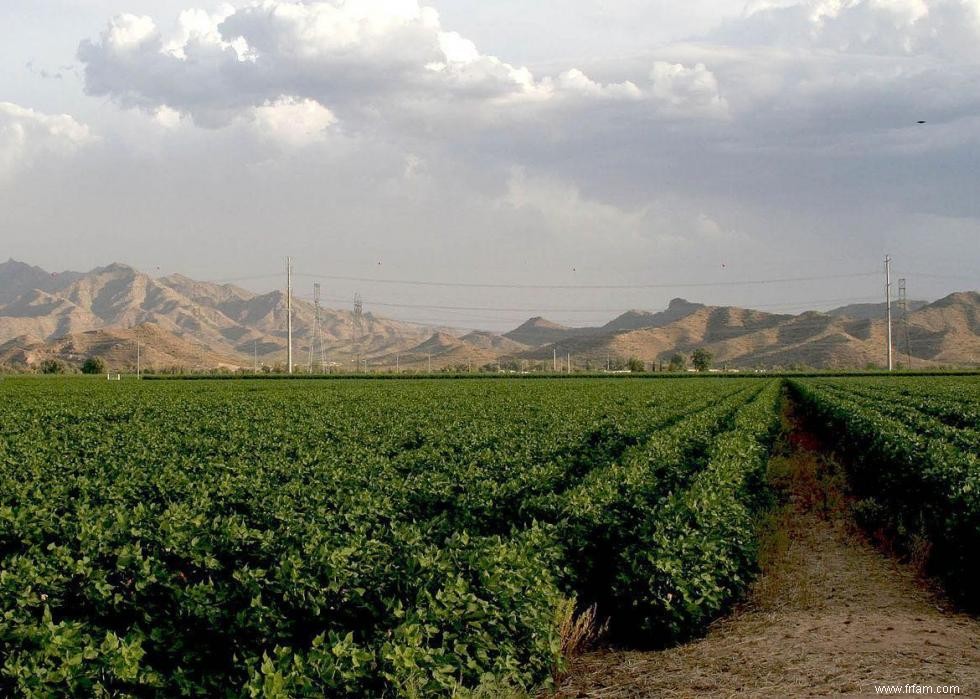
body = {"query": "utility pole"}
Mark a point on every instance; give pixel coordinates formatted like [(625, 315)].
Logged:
[(198, 320), (888, 307), (358, 315), (568, 362), (428, 358), (554, 359), (903, 302), (137, 357), (289, 314), (255, 356)]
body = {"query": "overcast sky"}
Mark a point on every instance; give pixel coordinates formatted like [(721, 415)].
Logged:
[(685, 146)]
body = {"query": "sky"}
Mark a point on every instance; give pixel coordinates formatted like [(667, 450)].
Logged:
[(569, 159)]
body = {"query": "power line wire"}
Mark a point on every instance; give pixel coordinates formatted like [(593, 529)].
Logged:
[(592, 287), (940, 276), (619, 309)]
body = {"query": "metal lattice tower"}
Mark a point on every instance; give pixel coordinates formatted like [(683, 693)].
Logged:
[(317, 336), (903, 303), (888, 308), (358, 319)]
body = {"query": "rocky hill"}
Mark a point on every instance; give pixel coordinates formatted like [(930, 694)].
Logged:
[(191, 323), (158, 350), (229, 321), (941, 333)]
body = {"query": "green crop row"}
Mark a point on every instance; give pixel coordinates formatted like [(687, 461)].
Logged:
[(918, 475), (359, 538)]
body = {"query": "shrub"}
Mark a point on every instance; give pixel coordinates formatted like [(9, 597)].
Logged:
[(51, 366), (94, 365)]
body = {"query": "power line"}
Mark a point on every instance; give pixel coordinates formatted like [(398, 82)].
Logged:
[(593, 287), (941, 276), (620, 309), (371, 280), (254, 277)]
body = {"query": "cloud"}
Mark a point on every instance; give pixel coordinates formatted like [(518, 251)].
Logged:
[(576, 82), (369, 62), (824, 80), (791, 128), (26, 135), (293, 121), (888, 27), (686, 90), (566, 217)]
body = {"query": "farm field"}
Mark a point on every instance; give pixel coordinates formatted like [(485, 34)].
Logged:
[(913, 446), (836, 608), (302, 538)]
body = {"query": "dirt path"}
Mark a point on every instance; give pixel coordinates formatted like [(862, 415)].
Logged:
[(829, 614)]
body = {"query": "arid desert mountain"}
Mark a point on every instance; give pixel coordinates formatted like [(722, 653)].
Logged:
[(946, 332), (227, 320), (181, 322), (873, 311), (116, 346)]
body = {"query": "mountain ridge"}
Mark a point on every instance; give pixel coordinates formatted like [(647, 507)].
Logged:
[(235, 327)]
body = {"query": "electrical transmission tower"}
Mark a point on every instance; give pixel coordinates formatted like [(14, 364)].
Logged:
[(358, 318), (289, 314), (317, 336), (903, 303), (888, 308)]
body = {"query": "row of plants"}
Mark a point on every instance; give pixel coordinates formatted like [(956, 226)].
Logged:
[(918, 479), (911, 412), (666, 540), (309, 539), (955, 403)]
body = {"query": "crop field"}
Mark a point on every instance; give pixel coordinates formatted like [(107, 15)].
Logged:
[(416, 538), (913, 448)]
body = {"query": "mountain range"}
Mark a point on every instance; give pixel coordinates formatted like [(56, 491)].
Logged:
[(180, 322)]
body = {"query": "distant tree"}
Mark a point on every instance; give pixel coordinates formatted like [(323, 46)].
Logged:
[(635, 365), (52, 366), (701, 359), (94, 365), (677, 363)]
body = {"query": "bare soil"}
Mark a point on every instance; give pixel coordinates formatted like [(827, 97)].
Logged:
[(829, 613)]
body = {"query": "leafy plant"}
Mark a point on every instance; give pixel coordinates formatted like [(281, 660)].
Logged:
[(361, 538), (911, 448)]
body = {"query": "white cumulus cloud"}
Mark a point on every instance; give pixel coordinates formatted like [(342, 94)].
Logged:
[(890, 27), (366, 61), (293, 121), (26, 135), (687, 88)]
